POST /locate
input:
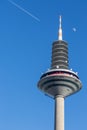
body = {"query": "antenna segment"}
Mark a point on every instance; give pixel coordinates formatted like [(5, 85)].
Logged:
[(60, 28)]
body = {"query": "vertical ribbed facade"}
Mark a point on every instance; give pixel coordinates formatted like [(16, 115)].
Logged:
[(59, 55)]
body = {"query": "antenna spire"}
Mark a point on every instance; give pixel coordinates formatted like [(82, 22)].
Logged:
[(60, 28)]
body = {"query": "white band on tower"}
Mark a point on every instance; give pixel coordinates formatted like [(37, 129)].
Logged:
[(60, 29)]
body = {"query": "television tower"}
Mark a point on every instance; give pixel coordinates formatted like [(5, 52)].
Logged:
[(59, 82)]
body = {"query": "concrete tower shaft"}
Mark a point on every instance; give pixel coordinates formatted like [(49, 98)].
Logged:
[(59, 114)]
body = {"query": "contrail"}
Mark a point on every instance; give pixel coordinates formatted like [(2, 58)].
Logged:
[(25, 11)]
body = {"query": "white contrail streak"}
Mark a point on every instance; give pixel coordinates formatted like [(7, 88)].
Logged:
[(25, 11)]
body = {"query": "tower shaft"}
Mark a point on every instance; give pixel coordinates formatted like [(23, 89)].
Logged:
[(59, 113)]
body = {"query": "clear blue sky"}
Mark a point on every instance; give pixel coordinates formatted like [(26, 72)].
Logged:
[(25, 53)]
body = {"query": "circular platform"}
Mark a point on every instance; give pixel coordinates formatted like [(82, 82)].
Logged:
[(59, 82)]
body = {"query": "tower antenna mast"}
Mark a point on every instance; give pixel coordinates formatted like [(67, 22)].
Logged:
[(60, 28)]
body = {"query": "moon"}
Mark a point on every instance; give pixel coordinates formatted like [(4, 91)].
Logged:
[(74, 29)]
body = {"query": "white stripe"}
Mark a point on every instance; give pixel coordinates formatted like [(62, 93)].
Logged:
[(25, 11)]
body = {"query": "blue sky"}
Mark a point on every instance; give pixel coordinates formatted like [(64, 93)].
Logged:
[(25, 53)]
